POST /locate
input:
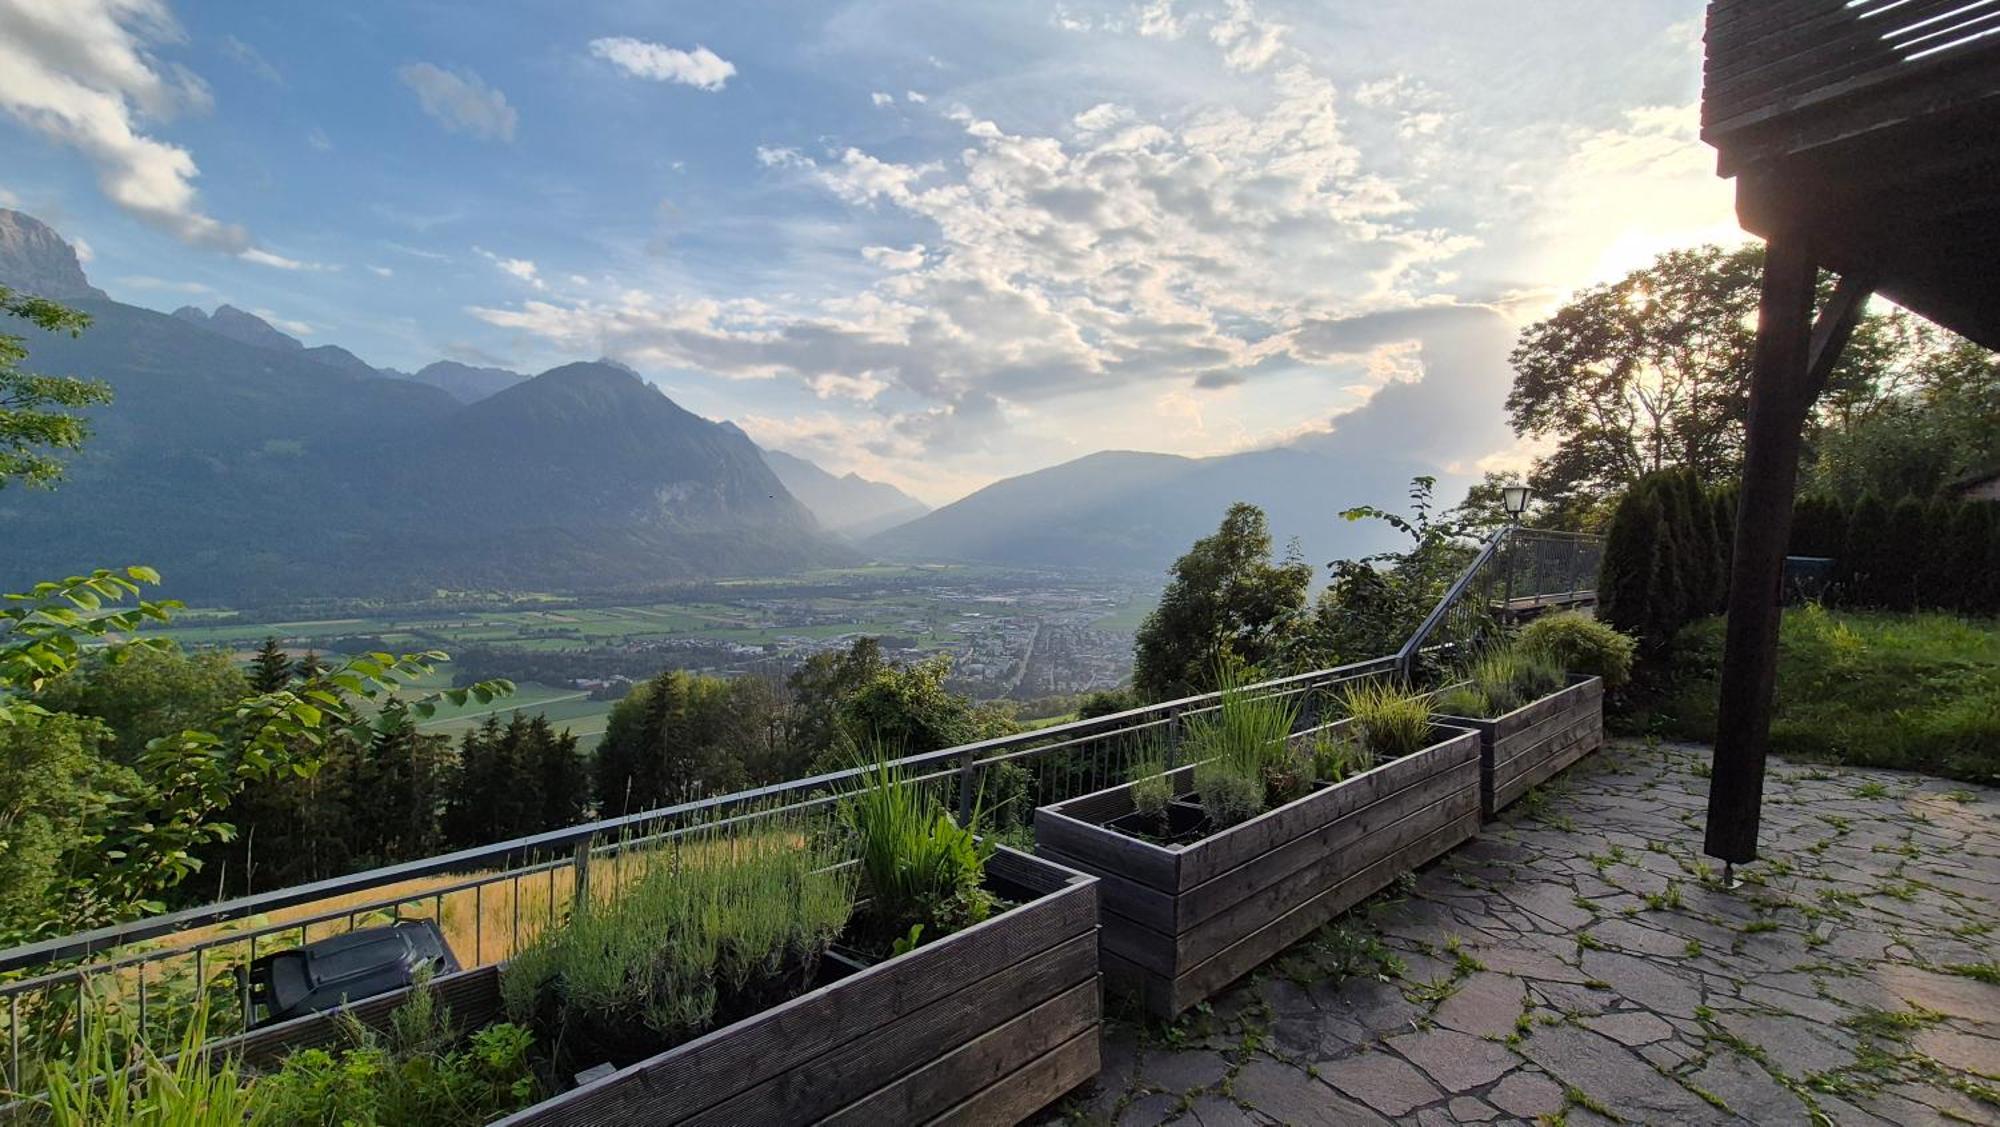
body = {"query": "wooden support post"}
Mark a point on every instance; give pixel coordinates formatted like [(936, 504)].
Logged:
[(1792, 361), (1780, 393)]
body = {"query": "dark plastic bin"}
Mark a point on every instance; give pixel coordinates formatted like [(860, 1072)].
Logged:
[(346, 968)]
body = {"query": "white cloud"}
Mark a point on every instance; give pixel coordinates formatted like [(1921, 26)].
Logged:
[(1247, 42), (165, 285), (278, 261), (382, 271), (521, 268), (700, 68), (84, 253), (248, 57), (82, 74), (913, 96), (890, 258), (296, 328), (461, 101), (317, 138), (1156, 20), (881, 99), (1164, 252)]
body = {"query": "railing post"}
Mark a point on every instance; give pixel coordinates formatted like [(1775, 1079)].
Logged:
[(1174, 740), (965, 788), (581, 894)]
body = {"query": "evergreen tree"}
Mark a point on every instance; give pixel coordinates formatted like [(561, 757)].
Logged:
[(1972, 527), (1625, 578), (1864, 566), (1904, 551), (556, 767), (309, 666), (1819, 527), (271, 669), (1666, 599), (1937, 579), (399, 791)]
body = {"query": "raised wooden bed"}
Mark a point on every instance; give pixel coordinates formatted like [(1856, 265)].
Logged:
[(986, 1025), (1533, 742), (1183, 921)]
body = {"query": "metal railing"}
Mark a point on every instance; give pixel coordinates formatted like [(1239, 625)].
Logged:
[(493, 899), (1516, 570)]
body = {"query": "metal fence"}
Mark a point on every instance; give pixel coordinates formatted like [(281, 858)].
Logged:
[(492, 900)]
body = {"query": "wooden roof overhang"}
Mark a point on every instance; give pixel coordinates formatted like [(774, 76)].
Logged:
[(1873, 128)]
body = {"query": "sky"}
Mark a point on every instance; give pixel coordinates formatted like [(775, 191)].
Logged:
[(934, 243)]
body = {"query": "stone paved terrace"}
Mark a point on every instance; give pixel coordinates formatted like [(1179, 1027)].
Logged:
[(1580, 963)]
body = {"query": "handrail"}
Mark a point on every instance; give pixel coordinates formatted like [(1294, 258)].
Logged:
[(1406, 657), (523, 850)]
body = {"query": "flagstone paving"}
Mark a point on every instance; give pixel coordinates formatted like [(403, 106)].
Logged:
[(1580, 962)]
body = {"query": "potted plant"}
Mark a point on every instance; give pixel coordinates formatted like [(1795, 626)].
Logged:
[(1538, 703), (1207, 870), (702, 976)]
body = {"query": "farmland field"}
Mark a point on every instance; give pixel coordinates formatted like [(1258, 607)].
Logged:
[(1009, 634)]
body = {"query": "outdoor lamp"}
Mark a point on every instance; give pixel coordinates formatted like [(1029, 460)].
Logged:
[(1515, 498)]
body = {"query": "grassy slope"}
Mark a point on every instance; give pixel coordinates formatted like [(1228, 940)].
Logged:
[(1919, 692)]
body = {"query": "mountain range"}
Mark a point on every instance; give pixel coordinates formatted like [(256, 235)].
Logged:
[(248, 467), (253, 467)]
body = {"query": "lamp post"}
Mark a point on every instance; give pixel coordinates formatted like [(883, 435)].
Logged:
[(1514, 498)]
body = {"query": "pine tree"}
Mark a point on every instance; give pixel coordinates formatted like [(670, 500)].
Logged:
[(1864, 566), (1972, 527), (1901, 562), (1723, 505), (556, 766), (1933, 585), (399, 791), (271, 669), (1625, 578), (1666, 600), (309, 666), (1819, 527)]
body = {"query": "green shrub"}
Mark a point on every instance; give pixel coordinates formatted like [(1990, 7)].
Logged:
[(422, 1074), (1463, 699), (1151, 788), (1580, 644), (707, 931), (1393, 721), (1336, 756), (920, 869)]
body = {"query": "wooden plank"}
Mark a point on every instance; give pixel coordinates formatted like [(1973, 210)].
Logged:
[(1572, 742), (1338, 840), (1559, 729), (1227, 966), (1253, 912), (1095, 849), (979, 1063), (472, 996), (856, 1069), (724, 1062), (1518, 782), (1211, 857), (1140, 903), (1033, 1087)]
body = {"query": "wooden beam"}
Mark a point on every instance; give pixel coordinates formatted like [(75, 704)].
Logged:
[(1780, 395), (1834, 328)]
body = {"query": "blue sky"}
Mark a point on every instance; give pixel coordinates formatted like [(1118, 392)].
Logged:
[(935, 243)]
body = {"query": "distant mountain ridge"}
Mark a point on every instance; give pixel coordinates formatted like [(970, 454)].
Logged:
[(253, 471), (35, 259), (848, 504)]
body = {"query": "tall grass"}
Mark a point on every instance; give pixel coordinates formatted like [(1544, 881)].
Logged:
[(716, 928), (117, 1081), (921, 872), (1393, 721), (1502, 679), (1240, 749)]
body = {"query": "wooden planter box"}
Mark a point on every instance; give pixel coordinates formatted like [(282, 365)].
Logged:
[(1183, 921), (986, 1025), (1533, 742)]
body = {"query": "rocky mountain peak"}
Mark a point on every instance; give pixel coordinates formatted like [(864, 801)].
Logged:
[(36, 260)]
